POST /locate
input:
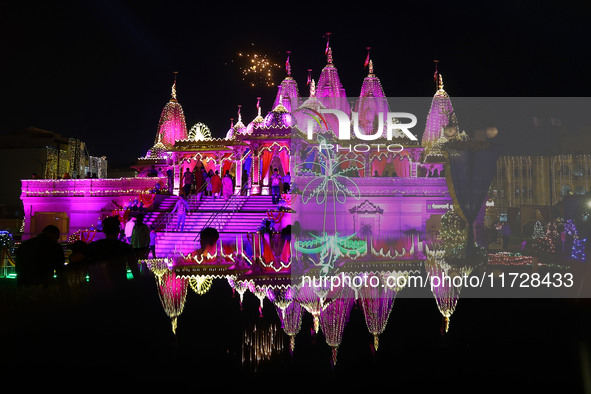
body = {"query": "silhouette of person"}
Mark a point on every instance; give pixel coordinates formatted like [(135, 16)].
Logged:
[(40, 258), (208, 239), (170, 180), (188, 179), (152, 242), (140, 238), (244, 183), (109, 258)]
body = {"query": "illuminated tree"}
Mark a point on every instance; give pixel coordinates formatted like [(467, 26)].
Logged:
[(538, 230)]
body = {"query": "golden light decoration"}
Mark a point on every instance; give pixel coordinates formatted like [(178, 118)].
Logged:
[(261, 344), (200, 284), (257, 69)]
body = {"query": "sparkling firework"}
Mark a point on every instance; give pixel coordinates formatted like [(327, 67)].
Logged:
[(257, 69)]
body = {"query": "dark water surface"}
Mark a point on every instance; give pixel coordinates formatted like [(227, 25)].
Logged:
[(124, 339)]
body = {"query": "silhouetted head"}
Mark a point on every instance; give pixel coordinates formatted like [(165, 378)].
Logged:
[(52, 232), (111, 226), (209, 237)]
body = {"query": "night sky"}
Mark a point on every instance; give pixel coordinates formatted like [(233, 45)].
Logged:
[(102, 70)]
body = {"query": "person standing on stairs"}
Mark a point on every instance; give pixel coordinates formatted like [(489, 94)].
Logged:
[(181, 208), (216, 185), (188, 182)]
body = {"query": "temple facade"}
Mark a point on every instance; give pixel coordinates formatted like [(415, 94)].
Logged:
[(406, 185)]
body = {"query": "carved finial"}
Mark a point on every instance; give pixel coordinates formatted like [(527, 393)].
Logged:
[(287, 65), (370, 67), (259, 106), (329, 56), (436, 75), (174, 86), (312, 88), (239, 115), (440, 82)]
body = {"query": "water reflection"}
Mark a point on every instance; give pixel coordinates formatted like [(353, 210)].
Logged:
[(260, 344), (254, 264)]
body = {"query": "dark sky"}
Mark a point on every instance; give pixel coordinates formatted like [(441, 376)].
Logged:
[(102, 70)]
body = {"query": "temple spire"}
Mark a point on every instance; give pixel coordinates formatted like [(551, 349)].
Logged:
[(329, 55), (287, 65), (440, 85), (258, 106), (173, 94), (436, 75), (239, 115)]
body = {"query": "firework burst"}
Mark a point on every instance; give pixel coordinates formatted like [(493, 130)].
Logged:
[(257, 69)]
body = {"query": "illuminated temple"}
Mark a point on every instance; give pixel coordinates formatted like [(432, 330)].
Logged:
[(395, 199)]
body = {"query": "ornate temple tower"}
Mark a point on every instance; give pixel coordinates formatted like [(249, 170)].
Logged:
[(172, 125), (441, 114), (329, 89), (372, 102), (287, 94)]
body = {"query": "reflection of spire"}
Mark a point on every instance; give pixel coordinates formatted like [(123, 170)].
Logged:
[(333, 319), (377, 303), (291, 321), (447, 293), (173, 293)]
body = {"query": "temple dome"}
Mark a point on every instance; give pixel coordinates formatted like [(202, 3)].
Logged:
[(236, 129), (256, 122), (172, 125), (279, 117)]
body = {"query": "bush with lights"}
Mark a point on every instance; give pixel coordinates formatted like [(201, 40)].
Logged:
[(454, 235)]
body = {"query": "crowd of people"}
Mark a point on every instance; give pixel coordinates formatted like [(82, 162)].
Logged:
[(41, 261)]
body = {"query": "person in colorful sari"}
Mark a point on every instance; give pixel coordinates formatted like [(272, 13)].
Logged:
[(216, 185), (227, 185)]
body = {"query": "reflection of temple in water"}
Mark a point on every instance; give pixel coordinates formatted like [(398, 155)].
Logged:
[(248, 273)]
